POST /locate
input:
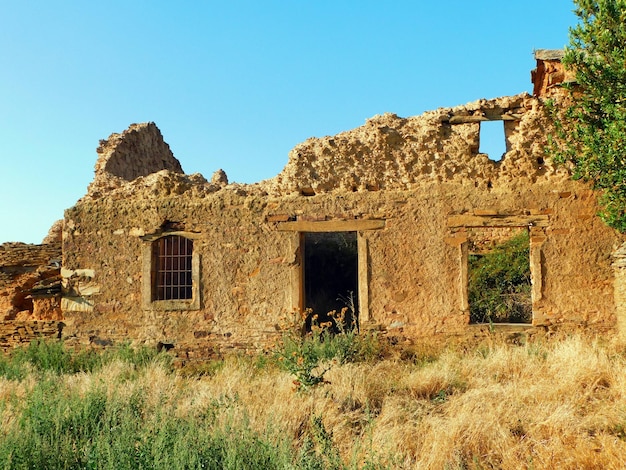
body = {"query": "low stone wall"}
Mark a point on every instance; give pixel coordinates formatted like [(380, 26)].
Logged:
[(21, 333)]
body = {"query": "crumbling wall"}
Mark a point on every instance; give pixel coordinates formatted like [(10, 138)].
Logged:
[(619, 267), (389, 152), (550, 72), (20, 333), (248, 263), (30, 283), (138, 151), (28, 275), (420, 180), (238, 255)]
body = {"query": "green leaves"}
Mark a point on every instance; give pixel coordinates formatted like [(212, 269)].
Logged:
[(591, 132), (499, 283), (309, 357)]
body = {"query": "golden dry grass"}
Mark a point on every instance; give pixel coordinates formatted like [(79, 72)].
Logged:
[(559, 404), (556, 405)]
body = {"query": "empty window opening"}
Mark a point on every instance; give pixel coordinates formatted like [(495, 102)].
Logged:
[(492, 139), (172, 268), (331, 280), (499, 279)]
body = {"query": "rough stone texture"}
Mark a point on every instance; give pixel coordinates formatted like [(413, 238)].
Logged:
[(550, 72), (219, 178), (30, 281), (392, 153), (138, 151), (417, 187), (619, 266), (247, 264), (55, 234), (20, 333), (423, 176)]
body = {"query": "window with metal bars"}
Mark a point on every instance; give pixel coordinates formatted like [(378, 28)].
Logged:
[(172, 268)]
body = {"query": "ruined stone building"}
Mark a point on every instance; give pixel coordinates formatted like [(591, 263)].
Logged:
[(382, 219)]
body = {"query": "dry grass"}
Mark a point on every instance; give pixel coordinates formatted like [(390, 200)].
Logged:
[(559, 405), (556, 405)]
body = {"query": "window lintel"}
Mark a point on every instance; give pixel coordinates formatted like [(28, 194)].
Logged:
[(351, 225), (160, 234)]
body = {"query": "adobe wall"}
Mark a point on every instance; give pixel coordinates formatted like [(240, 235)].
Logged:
[(246, 262), (139, 151), (422, 176)]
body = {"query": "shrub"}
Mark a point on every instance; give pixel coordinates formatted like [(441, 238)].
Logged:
[(499, 283), (308, 357)]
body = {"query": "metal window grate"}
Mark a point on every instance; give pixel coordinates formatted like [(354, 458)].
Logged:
[(172, 262)]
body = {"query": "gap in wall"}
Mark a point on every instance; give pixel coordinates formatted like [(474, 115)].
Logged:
[(492, 140), (499, 280)]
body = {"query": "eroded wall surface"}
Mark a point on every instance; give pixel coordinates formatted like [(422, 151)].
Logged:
[(139, 151), (29, 273), (422, 176), (30, 293)]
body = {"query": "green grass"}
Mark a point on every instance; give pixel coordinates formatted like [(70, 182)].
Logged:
[(53, 356), (308, 358), (58, 430), (548, 404), (106, 426)]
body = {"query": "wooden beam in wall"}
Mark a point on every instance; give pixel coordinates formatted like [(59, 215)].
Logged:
[(473, 119), (455, 221), (296, 294), (355, 225), (464, 278), (363, 279)]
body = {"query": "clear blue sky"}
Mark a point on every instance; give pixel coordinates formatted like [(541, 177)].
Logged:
[(236, 84)]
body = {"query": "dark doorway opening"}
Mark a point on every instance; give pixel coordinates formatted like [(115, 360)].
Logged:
[(331, 280)]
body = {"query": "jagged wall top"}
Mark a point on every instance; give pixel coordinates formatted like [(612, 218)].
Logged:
[(390, 152), (138, 151)]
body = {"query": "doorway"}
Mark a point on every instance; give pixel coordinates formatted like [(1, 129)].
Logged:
[(331, 279)]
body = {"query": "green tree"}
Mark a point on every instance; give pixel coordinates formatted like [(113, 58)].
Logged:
[(591, 129)]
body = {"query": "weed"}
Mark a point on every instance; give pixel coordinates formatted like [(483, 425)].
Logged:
[(309, 357), (440, 397), (53, 356), (202, 369), (10, 369)]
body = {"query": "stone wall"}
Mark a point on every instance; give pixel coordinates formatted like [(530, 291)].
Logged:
[(550, 72), (389, 152), (416, 190), (247, 262), (30, 281), (138, 151), (21, 333)]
